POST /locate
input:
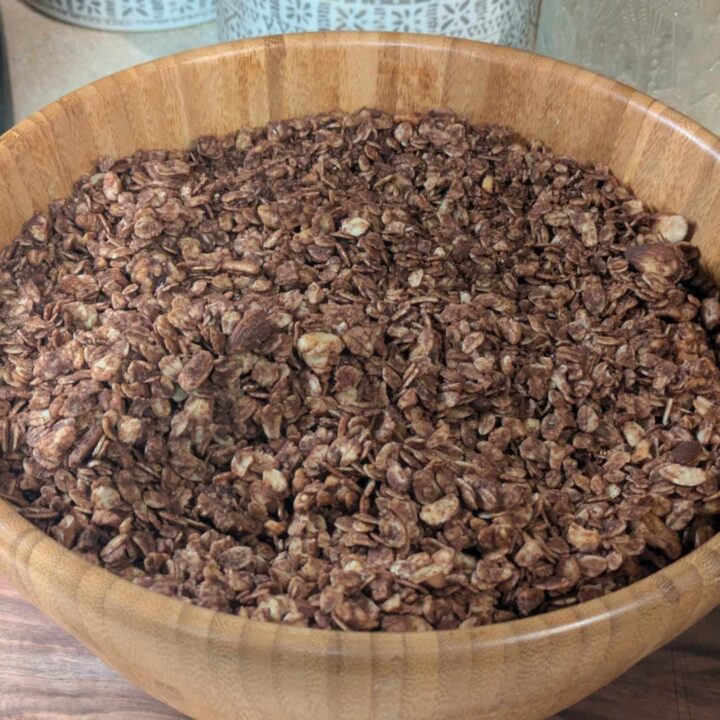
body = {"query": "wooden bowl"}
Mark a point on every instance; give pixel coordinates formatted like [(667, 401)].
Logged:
[(217, 666)]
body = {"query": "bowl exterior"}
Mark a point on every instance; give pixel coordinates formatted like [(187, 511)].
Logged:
[(221, 667)]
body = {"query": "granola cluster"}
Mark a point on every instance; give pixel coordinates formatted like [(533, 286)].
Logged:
[(361, 372)]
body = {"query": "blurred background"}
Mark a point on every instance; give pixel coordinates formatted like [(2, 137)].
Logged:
[(668, 48)]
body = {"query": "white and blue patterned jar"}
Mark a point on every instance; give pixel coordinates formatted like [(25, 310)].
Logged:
[(506, 22), (129, 15)]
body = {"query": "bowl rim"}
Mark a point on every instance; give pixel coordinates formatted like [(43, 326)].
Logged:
[(190, 618)]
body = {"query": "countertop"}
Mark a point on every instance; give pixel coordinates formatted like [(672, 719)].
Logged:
[(45, 674), (48, 58)]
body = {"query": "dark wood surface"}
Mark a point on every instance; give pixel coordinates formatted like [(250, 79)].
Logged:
[(45, 674)]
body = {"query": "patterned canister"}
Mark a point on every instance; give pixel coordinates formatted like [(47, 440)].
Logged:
[(507, 22)]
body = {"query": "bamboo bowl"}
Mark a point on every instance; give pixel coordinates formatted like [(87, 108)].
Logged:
[(219, 667)]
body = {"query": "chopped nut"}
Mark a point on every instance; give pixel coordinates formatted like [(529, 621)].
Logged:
[(589, 234), (530, 554), (277, 481), (252, 330), (54, 443), (129, 430), (674, 228), (633, 433), (241, 267), (663, 260), (356, 226), (583, 539), (269, 216), (320, 350), (439, 512), (403, 132), (710, 313), (106, 368), (683, 475), (687, 452), (196, 371)]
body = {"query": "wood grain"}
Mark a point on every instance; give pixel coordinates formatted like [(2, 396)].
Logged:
[(220, 667), (47, 675)]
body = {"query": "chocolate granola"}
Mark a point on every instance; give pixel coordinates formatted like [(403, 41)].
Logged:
[(361, 372)]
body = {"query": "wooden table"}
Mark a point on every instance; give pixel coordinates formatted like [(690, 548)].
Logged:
[(45, 674)]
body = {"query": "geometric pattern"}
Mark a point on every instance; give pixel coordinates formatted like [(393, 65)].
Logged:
[(506, 22), (129, 15)]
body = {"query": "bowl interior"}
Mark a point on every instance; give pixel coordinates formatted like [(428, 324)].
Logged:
[(669, 161)]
